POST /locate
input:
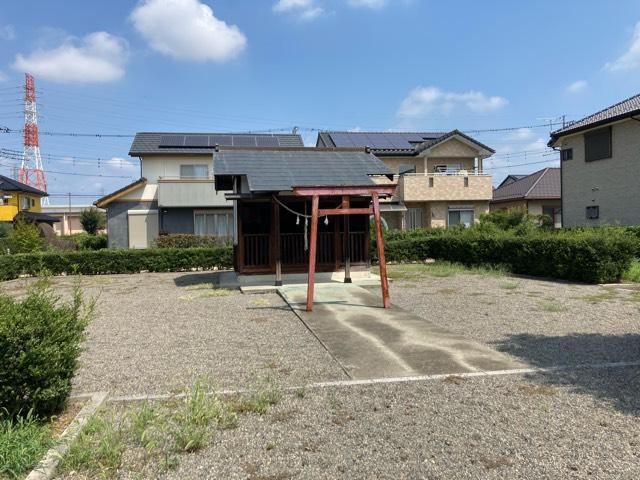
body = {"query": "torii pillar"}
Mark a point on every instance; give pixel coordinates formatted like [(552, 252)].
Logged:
[(374, 191)]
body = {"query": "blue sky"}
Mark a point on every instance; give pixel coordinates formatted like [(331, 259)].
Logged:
[(121, 66)]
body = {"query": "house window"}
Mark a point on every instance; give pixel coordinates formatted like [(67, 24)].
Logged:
[(461, 217), (593, 212), (431, 182), (24, 203), (194, 171), (414, 218), (217, 224), (447, 169), (566, 154), (597, 145), (466, 181)]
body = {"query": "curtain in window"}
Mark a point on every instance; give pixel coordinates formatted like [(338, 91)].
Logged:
[(460, 217), (194, 171), (216, 224)]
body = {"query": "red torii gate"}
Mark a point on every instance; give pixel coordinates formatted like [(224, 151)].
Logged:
[(345, 192)]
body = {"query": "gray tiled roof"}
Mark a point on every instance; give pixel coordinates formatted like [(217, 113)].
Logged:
[(10, 185), (146, 143), (280, 170), (623, 109), (542, 184), (390, 143)]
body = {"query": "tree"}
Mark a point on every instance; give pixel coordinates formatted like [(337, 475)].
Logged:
[(25, 238), (93, 220)]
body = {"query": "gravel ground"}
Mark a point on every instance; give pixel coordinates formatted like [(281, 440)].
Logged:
[(581, 424), (507, 427), (159, 332), (543, 323)]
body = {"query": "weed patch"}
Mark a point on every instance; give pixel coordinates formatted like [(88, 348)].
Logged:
[(150, 438), (552, 306), (23, 442)]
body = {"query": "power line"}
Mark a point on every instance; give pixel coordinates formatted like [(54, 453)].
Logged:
[(76, 173), (521, 164)]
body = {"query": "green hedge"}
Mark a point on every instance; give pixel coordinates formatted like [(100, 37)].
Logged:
[(588, 258), (98, 262), (40, 341), (184, 240)]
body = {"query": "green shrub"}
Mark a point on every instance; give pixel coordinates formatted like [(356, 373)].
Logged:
[(89, 262), (93, 220), (5, 229), (506, 219), (5, 246), (25, 238), (633, 272), (40, 341), (583, 256), (85, 241), (184, 240)]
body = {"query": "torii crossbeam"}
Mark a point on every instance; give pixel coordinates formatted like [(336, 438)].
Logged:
[(374, 191)]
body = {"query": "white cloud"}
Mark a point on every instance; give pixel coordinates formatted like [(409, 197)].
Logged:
[(374, 4), (577, 86), (304, 9), (97, 57), (629, 60), (520, 135), (423, 101), (7, 32), (122, 164), (3, 76), (187, 30)]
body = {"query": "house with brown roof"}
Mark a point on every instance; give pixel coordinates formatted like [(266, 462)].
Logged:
[(536, 194), (600, 160), (441, 182)]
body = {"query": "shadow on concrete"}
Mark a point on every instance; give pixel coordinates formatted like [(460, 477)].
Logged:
[(619, 386), (223, 279), (191, 279)]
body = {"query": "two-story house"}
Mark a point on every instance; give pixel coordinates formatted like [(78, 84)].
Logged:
[(175, 193), (441, 182), (599, 163), (20, 201)]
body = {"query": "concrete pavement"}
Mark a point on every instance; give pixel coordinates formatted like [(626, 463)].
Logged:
[(372, 342)]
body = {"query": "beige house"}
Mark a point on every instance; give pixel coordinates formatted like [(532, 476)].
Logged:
[(68, 217), (176, 193), (600, 160), (441, 182), (536, 194)]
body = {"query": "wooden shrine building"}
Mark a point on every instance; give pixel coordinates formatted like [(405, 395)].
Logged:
[(302, 210)]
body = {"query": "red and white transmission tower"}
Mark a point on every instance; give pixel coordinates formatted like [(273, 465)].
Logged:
[(31, 171)]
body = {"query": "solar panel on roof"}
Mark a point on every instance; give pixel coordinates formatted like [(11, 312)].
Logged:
[(224, 140), (244, 140), (196, 141), (379, 141), (342, 140), (267, 142), (172, 141)]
